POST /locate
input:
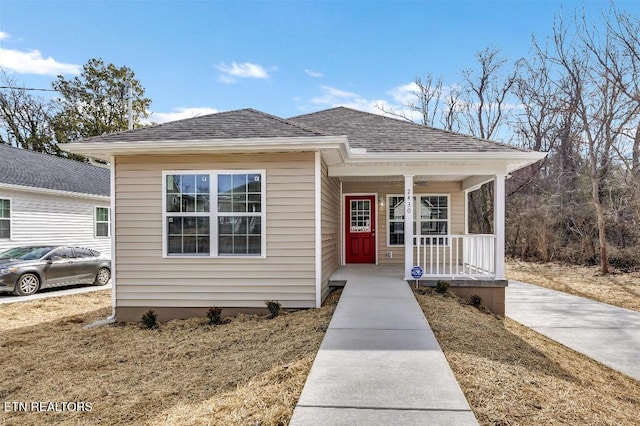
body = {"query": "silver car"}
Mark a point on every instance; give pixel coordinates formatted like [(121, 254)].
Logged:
[(25, 270)]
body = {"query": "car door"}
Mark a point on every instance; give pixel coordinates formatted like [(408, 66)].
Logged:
[(86, 262), (61, 268)]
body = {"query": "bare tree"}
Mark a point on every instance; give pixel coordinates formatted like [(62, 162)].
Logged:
[(595, 68), (426, 101), (24, 119), (487, 90), (428, 95), (453, 107)]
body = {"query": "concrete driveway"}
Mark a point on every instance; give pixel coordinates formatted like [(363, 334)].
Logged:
[(606, 333), (52, 292)]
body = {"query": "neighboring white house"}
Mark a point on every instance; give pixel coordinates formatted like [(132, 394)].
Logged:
[(46, 199)]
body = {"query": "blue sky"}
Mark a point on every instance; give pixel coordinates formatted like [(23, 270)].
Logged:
[(281, 57)]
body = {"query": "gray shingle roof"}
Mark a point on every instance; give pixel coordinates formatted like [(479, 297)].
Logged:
[(373, 132), (244, 123), (34, 169), (377, 133)]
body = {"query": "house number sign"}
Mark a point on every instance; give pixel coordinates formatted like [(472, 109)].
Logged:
[(408, 203)]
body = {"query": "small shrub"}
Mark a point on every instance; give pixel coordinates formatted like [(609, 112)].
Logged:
[(214, 315), (274, 308), (150, 319), (423, 291), (442, 287), (475, 300)]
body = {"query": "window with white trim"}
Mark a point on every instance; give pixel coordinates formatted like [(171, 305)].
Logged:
[(5, 218), (230, 224), (433, 220), (103, 222)]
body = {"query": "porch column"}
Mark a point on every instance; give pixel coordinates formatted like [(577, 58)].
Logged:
[(498, 223), (408, 226)]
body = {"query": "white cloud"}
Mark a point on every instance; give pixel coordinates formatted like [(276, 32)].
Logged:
[(178, 114), (314, 74), (333, 97), (240, 70), (33, 63), (3, 35), (405, 93)]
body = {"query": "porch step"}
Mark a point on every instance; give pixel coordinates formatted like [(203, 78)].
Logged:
[(336, 283)]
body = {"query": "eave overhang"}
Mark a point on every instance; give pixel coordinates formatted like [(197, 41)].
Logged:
[(341, 159), (52, 192), (333, 148)]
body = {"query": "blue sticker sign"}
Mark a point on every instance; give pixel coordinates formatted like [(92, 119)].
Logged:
[(416, 272)]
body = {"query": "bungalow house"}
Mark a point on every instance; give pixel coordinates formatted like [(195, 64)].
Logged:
[(236, 208), (46, 199)]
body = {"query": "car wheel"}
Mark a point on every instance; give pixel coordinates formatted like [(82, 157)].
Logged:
[(27, 285), (103, 276)]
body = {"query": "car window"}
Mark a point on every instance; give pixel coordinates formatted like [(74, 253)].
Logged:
[(26, 253), (64, 253), (84, 252)]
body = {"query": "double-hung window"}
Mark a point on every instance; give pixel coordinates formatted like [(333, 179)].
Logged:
[(430, 217), (5, 218), (103, 222), (214, 213)]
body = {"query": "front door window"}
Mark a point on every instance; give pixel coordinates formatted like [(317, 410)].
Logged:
[(360, 216)]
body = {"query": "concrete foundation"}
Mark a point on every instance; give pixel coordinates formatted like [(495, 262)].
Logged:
[(135, 313), (492, 292)]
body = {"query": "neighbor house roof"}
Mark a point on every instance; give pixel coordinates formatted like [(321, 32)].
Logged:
[(37, 170), (238, 124), (377, 133)]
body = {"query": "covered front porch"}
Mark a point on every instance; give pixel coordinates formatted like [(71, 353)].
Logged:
[(378, 211)]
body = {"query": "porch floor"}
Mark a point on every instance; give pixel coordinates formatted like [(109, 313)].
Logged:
[(379, 362), (353, 271)]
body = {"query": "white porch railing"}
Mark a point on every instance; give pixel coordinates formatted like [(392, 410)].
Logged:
[(456, 256)]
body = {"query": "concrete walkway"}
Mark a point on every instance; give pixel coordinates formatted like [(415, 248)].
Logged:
[(379, 362), (606, 333)]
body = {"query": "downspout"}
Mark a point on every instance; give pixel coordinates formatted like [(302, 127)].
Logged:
[(112, 191), (112, 233), (318, 232)]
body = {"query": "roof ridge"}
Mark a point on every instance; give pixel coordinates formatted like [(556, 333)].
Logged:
[(286, 121), (410, 122), (171, 122), (156, 125)]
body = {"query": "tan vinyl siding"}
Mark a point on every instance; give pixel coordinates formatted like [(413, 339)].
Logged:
[(287, 274), (330, 227), (456, 210), (38, 218)]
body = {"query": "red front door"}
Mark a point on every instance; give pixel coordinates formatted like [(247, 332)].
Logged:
[(360, 229)]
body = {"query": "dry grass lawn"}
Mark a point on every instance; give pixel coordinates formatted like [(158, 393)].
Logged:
[(617, 288), (251, 371), (247, 372), (512, 375)]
